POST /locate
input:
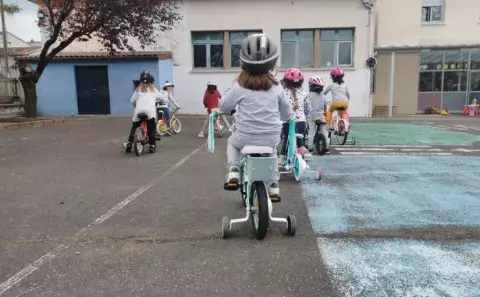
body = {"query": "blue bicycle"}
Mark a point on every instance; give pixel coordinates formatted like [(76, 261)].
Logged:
[(294, 161), (257, 170)]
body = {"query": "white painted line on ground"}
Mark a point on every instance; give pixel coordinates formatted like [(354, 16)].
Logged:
[(384, 145), (397, 153), (5, 286), (463, 150), (390, 149)]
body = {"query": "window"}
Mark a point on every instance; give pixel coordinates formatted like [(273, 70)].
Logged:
[(208, 49), (432, 10), (298, 48), (236, 41), (218, 49), (336, 47)]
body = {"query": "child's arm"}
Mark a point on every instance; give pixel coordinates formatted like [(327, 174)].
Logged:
[(307, 107), (284, 107), (230, 99), (205, 100), (347, 93), (134, 98), (173, 101), (327, 90)]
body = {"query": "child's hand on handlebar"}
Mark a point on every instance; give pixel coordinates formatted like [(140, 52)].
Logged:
[(233, 111)]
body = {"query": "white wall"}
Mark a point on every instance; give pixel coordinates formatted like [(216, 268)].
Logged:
[(271, 16), (400, 23)]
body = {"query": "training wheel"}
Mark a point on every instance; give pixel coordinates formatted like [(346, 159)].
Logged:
[(319, 174), (124, 145), (291, 225), (225, 227)]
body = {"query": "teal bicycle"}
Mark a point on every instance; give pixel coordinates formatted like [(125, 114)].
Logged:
[(257, 170), (294, 160)]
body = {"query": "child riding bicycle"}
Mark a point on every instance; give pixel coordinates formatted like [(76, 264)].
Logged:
[(260, 104), (168, 94), (211, 101), (293, 81), (143, 100), (318, 108), (340, 94)]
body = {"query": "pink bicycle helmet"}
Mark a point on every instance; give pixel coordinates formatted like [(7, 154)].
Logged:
[(316, 81), (293, 78), (337, 72)]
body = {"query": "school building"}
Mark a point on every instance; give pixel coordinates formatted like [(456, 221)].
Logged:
[(428, 54), (311, 35)]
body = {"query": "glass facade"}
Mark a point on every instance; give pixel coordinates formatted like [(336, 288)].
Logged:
[(448, 79)]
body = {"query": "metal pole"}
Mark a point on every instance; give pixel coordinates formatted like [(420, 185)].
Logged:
[(392, 85), (371, 38), (5, 42)]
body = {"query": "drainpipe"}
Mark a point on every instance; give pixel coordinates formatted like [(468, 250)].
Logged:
[(368, 4), (5, 41)]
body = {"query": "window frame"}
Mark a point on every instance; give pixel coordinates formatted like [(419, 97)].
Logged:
[(231, 42), (297, 40), (337, 39), (208, 42)]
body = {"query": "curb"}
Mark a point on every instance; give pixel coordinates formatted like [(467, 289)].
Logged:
[(30, 124)]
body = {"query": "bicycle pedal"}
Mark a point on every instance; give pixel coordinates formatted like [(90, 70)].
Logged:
[(275, 199), (231, 186)]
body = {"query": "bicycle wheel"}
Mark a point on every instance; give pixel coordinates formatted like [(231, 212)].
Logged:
[(299, 167), (341, 135), (138, 141), (162, 128), (320, 144), (176, 125), (259, 209)]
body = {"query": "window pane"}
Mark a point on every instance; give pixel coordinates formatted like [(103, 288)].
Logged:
[(455, 60), (327, 53), (237, 36), (199, 36), (216, 36), (199, 56), (436, 13), (430, 81), (216, 55), (289, 35), (475, 60), (345, 34), (306, 52), (235, 55), (454, 81), (327, 34), (345, 53), (475, 82), (288, 55), (306, 34), (254, 32), (431, 60), (425, 14)]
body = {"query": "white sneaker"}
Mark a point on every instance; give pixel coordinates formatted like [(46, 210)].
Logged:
[(233, 177), (273, 190), (201, 135), (230, 129)]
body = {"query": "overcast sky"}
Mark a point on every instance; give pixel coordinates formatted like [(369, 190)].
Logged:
[(23, 24)]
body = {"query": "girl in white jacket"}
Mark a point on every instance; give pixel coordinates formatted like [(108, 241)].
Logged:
[(143, 100)]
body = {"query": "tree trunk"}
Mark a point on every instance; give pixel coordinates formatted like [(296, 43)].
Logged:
[(30, 89)]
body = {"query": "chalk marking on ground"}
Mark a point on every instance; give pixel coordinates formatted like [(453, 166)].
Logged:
[(18, 277)]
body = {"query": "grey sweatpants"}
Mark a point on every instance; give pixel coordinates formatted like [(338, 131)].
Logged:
[(235, 146)]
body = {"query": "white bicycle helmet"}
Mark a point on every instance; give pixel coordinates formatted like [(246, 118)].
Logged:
[(259, 54), (167, 84), (211, 83), (316, 81)]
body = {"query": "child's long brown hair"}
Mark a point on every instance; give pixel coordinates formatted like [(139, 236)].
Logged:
[(146, 87), (256, 82)]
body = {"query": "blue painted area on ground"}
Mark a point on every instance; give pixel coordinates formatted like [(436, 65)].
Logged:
[(390, 192), (403, 268), (376, 133)]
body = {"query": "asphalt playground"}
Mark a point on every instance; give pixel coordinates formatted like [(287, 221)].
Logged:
[(398, 214)]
